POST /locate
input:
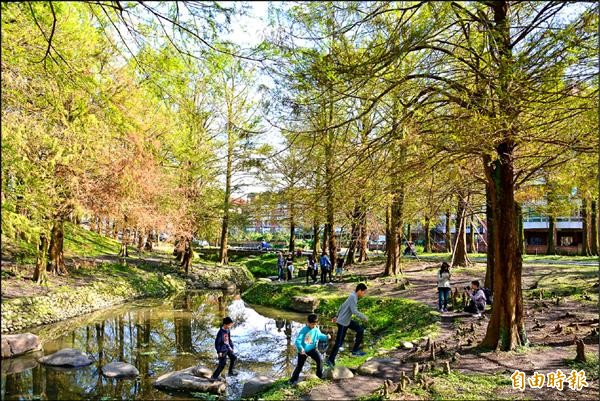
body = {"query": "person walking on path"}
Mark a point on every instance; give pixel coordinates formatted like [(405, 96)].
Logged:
[(443, 287), (307, 346), (280, 266), (224, 347), (344, 322), (289, 261), (311, 269), (325, 267)]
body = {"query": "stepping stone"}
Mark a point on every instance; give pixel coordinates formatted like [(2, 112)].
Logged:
[(407, 345), (120, 370), (338, 373), (381, 367), (185, 381), (256, 385), (305, 304), (18, 344), (67, 357)]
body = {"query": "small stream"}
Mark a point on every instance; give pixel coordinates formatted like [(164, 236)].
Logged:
[(156, 336)]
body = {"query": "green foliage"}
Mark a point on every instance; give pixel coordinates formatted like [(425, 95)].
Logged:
[(591, 366), (391, 320), (459, 386), (82, 242), (263, 266)]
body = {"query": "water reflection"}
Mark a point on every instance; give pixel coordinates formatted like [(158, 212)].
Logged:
[(156, 337)]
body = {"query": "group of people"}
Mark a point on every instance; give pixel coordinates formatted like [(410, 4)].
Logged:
[(307, 340), (285, 267), (477, 296)]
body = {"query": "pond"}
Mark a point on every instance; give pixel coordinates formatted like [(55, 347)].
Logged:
[(156, 336)]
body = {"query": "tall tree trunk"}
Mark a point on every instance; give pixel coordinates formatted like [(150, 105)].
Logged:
[(585, 246), (325, 238), (124, 251), (471, 238), (427, 232), (594, 230), (448, 235), (187, 254), (520, 229), (459, 256), (56, 258), (223, 258), (364, 239), (315, 245), (329, 194), (354, 233), (551, 248), (408, 232), (506, 329), (39, 274), (489, 221), (292, 246), (394, 240), (388, 241)]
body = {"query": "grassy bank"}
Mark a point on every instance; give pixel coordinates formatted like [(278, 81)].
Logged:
[(391, 320), (84, 291), (264, 265)]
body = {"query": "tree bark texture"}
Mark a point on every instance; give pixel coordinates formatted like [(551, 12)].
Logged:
[(551, 248), (585, 246), (426, 229), (56, 258), (363, 239), (460, 247), (594, 230), (354, 234), (292, 246), (506, 329), (39, 274), (448, 235), (489, 221)]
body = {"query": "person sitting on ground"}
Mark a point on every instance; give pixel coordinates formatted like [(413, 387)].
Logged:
[(344, 322), (224, 347), (477, 299), (307, 345), (325, 267), (443, 287)]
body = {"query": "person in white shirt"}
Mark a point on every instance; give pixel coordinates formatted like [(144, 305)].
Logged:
[(443, 287)]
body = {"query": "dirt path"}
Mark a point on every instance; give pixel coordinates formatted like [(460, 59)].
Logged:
[(551, 330)]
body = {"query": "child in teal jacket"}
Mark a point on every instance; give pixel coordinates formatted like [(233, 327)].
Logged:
[(306, 344)]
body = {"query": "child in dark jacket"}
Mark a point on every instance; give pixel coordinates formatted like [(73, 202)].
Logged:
[(224, 347)]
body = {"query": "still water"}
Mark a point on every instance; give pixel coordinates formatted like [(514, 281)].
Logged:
[(156, 336)]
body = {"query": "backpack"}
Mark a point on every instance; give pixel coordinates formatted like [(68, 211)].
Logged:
[(489, 296)]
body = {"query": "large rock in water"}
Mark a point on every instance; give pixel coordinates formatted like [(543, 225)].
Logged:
[(18, 344), (381, 367), (67, 357), (119, 370), (338, 373), (256, 385), (305, 304), (186, 381)]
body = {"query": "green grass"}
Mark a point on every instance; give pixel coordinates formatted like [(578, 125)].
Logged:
[(281, 390), (391, 320), (573, 282), (263, 265), (82, 242), (460, 386), (591, 367)]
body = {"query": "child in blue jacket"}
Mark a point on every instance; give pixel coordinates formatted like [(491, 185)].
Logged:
[(306, 344), (224, 347)]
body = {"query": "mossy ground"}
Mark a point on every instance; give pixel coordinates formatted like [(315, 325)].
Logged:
[(263, 265), (391, 320)]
